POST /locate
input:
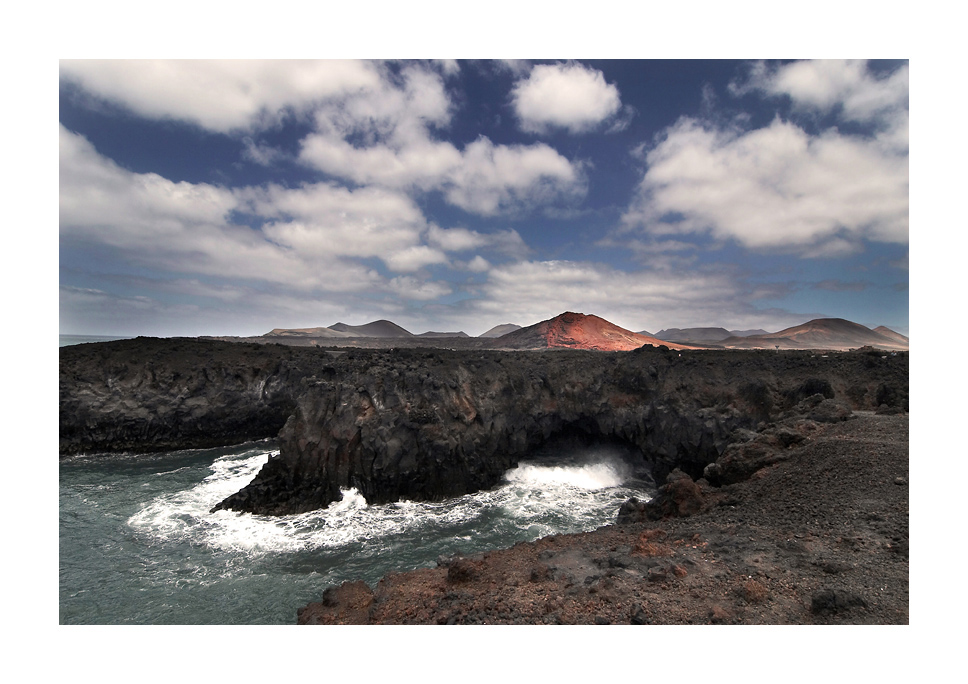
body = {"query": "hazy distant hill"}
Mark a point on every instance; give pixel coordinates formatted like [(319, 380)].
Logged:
[(307, 332), (820, 333), (499, 330), (890, 334), (694, 334), (430, 333), (704, 335), (578, 331), (381, 328)]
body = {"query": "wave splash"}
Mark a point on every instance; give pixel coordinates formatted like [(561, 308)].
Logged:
[(536, 499)]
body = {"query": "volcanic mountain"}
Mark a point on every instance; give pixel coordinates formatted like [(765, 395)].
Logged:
[(431, 333), (821, 333), (579, 331), (381, 328), (890, 334), (307, 332), (499, 330)]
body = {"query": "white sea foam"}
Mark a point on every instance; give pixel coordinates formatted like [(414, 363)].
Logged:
[(536, 500), (591, 476)]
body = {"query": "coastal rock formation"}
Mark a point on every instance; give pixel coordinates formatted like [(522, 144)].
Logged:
[(150, 394), (419, 425), (818, 538), (429, 424)]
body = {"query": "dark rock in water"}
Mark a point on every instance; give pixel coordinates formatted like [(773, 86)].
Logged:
[(678, 498), (632, 511), (428, 424)]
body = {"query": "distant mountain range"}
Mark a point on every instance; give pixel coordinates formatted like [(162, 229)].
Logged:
[(586, 331), (822, 333), (443, 334)]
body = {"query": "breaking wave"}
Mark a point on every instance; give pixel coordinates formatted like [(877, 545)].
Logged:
[(535, 500)]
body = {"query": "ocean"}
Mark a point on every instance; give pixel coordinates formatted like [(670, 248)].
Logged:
[(138, 544)]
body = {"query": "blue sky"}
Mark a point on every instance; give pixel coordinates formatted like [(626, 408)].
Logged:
[(230, 198)]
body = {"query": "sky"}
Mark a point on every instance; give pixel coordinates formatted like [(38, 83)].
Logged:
[(225, 197)]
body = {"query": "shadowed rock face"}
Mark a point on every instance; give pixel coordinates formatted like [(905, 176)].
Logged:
[(430, 424)]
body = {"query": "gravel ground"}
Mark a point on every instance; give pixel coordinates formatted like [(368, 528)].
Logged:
[(818, 538)]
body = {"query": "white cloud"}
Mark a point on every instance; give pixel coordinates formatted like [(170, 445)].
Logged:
[(374, 125), (569, 96), (219, 95), (418, 164), (456, 239), (261, 154), (184, 227), (495, 179), (414, 258), (412, 288), (507, 242), (328, 220), (774, 188), (478, 264), (847, 85)]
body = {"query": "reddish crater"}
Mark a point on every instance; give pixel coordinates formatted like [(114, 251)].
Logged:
[(580, 331)]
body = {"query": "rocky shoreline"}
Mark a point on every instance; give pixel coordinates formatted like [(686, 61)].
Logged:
[(784, 496), (820, 536)]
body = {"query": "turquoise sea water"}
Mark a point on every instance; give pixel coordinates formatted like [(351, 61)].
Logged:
[(138, 544)]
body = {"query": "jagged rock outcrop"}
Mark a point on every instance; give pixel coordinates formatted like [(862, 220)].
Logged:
[(430, 424), (424, 425), (150, 394)]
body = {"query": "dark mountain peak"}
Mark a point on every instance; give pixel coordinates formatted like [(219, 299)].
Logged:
[(380, 328)]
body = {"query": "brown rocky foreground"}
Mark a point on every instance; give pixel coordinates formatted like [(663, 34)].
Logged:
[(817, 534)]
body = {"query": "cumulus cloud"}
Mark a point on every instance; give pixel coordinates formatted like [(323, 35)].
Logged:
[(568, 96), (374, 124), (495, 179), (219, 95), (412, 288), (327, 220), (185, 228), (780, 187), (414, 258), (478, 264), (776, 187), (456, 239), (846, 85)]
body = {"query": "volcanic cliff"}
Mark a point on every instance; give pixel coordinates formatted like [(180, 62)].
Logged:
[(428, 424)]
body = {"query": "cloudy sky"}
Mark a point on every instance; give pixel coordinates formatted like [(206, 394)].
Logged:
[(233, 197)]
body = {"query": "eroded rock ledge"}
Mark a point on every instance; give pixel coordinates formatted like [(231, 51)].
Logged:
[(430, 424)]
